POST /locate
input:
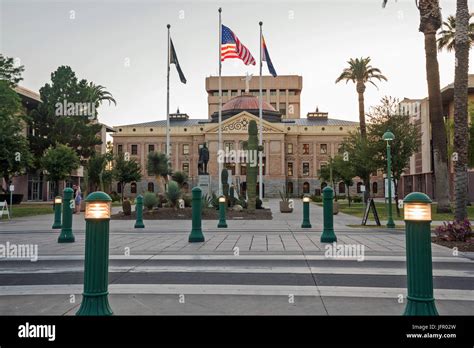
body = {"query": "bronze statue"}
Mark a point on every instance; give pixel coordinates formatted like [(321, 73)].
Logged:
[(203, 160)]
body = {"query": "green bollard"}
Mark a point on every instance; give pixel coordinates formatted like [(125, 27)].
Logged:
[(222, 206), (57, 212), (417, 216), (328, 235), (66, 235), (306, 223), (196, 232), (96, 263), (139, 212)]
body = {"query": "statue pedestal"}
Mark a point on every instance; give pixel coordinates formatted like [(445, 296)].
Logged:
[(204, 183)]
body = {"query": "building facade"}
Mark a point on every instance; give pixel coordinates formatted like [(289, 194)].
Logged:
[(419, 176), (294, 151)]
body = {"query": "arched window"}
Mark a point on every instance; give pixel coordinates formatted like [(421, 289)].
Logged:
[(342, 188), (359, 184), (306, 187), (151, 187), (119, 188), (375, 187), (289, 187), (133, 187)]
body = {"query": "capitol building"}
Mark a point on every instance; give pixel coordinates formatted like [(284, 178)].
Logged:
[(295, 147)]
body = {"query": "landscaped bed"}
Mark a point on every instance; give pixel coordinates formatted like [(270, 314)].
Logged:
[(461, 246), (186, 214)]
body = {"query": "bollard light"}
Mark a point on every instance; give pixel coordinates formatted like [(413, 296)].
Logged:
[(139, 212), (196, 231), (57, 212), (66, 235), (96, 262), (328, 235), (306, 223), (222, 206), (417, 215)]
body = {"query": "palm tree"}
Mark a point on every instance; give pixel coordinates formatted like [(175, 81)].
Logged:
[(360, 72), (448, 32), (430, 22)]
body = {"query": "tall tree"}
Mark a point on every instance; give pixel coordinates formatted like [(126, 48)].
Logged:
[(59, 162), (158, 165), (462, 43), (430, 22), (360, 72), (446, 39), (384, 117), (9, 71), (15, 155), (126, 171)]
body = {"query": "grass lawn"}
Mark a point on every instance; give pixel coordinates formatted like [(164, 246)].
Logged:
[(28, 209), (357, 209)]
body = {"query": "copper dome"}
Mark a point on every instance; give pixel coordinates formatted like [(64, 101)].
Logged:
[(246, 102)]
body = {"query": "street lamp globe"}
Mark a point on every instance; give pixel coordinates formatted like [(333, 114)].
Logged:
[(388, 136)]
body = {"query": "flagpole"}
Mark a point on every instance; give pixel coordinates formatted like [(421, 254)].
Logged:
[(220, 103), (168, 100), (260, 138)]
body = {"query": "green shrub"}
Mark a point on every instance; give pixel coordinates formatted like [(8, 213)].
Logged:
[(149, 200), (115, 196), (173, 193), (162, 200), (180, 178), (357, 199), (187, 200), (317, 199), (341, 197)]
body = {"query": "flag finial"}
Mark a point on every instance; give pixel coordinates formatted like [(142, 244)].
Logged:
[(220, 9), (260, 23), (168, 26)]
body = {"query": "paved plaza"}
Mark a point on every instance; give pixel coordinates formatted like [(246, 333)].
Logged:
[(252, 267)]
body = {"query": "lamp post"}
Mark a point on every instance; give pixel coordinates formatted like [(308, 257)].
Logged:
[(139, 212), (96, 263), (57, 212), (388, 137), (66, 235), (306, 223), (417, 215), (222, 203)]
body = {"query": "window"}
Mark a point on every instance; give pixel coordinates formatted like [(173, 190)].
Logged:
[(185, 149), (151, 187), (289, 187), (290, 169), (224, 93), (324, 149), (151, 148), (283, 108), (185, 168), (375, 187), (291, 92), (233, 93), (322, 165), (134, 149), (228, 146), (230, 166), (305, 149), (273, 92), (289, 148), (133, 187), (120, 149), (306, 187), (342, 188), (305, 168), (243, 169)]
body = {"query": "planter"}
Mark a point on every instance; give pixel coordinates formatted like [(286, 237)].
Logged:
[(335, 208), (16, 198), (286, 207)]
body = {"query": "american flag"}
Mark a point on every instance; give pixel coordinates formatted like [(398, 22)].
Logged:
[(231, 47)]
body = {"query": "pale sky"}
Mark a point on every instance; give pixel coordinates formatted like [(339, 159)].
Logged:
[(122, 46)]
